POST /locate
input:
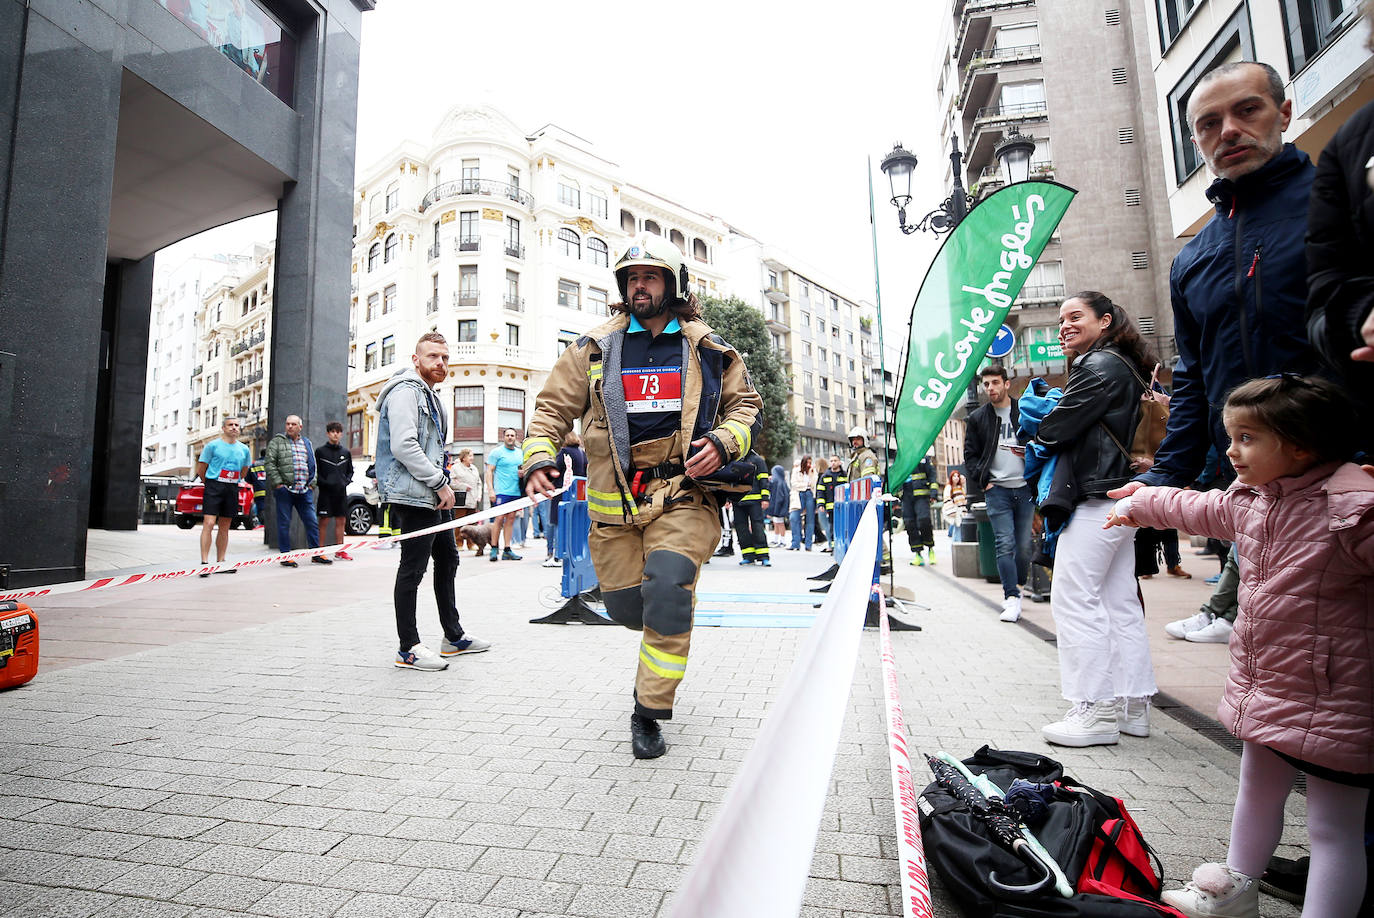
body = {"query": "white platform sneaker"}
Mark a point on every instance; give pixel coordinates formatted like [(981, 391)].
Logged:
[(1216, 891)]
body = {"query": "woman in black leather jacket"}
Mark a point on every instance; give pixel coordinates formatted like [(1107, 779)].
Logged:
[(1104, 652)]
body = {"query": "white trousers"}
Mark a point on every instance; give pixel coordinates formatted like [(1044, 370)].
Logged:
[(1104, 651)]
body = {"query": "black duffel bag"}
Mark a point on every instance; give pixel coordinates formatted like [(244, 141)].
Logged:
[(1088, 833)]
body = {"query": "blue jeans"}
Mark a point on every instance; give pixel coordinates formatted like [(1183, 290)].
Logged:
[(801, 520), (1009, 511), (823, 521), (304, 505)]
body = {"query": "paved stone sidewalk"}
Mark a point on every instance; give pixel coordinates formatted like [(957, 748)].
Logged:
[(286, 768)]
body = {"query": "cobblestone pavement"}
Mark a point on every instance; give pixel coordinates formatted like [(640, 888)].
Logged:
[(283, 767)]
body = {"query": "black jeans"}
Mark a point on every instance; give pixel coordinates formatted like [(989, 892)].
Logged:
[(415, 555)]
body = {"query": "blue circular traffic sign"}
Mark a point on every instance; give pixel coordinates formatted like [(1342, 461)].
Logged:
[(1001, 345)]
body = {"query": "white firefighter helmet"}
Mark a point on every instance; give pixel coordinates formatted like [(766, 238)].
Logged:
[(649, 249), (858, 432)]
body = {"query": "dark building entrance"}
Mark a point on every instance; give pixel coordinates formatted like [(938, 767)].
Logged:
[(131, 124)]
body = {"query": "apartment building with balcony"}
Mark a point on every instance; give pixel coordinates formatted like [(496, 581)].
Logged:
[(1074, 76), (1317, 46), (234, 338), (173, 353), (503, 240), (823, 335)]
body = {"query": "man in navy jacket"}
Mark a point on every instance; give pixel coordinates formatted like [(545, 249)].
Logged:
[(1238, 287)]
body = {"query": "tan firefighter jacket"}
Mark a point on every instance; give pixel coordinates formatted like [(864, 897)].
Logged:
[(717, 400)]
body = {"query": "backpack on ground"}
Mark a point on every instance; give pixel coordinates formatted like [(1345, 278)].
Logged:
[(1114, 871)]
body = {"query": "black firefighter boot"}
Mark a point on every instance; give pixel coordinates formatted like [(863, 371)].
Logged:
[(645, 738)]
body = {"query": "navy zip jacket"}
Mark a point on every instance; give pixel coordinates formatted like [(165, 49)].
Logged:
[(1239, 295)]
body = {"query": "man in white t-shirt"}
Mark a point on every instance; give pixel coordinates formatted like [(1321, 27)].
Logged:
[(995, 466), (221, 466)]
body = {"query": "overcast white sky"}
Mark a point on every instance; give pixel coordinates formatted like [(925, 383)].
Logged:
[(762, 113)]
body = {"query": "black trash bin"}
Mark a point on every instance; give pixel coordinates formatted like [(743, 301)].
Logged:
[(987, 543)]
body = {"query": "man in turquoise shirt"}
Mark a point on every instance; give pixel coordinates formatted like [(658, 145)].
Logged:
[(221, 466), (503, 484)]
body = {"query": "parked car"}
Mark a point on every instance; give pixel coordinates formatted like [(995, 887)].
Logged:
[(191, 499), (363, 503)]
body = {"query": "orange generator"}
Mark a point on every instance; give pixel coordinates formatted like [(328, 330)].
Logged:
[(18, 644)]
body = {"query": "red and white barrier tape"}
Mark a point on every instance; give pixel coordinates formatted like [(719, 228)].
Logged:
[(754, 860), (911, 855), (172, 573)]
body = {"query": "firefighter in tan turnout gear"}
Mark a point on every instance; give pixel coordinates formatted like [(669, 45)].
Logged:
[(663, 403)]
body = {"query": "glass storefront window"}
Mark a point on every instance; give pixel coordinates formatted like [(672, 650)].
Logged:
[(246, 34)]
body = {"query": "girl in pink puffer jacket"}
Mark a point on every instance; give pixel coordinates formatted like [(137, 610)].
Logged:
[(1300, 692)]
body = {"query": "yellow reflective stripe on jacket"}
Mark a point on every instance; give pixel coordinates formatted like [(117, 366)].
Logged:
[(667, 665), (741, 433), (534, 445), (608, 502), (594, 370)]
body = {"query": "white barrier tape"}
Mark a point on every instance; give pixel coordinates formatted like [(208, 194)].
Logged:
[(755, 858), (911, 855), (105, 583)]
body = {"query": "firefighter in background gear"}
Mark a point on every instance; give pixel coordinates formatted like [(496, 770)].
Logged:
[(826, 484), (662, 401), (750, 524), (862, 460), (916, 494), (257, 477)]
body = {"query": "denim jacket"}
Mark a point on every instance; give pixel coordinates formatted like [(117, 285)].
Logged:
[(410, 442)]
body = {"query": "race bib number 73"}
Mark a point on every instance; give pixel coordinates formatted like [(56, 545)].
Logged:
[(652, 389)]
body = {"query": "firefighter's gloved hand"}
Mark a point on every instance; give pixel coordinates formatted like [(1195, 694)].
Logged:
[(703, 458)]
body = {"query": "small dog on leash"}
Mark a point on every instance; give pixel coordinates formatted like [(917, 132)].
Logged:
[(478, 534)]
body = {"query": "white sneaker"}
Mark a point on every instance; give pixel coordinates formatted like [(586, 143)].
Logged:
[(1216, 891), (465, 645), (1218, 632), (1011, 609), (551, 562), (1180, 628), (420, 657), (1088, 723), (1133, 716)]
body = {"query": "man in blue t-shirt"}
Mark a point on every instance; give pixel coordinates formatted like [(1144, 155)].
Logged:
[(221, 466), (503, 484)]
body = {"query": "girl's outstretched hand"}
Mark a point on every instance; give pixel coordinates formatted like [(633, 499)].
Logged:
[(1120, 515)]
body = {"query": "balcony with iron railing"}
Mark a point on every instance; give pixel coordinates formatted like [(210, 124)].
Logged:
[(514, 303), (776, 294), (431, 306), (238, 347), (433, 251), (197, 371), (468, 244), (237, 384), (1034, 294), (975, 21), (986, 63), (484, 187), (195, 403), (257, 339), (515, 249), (477, 352), (254, 377), (465, 298)]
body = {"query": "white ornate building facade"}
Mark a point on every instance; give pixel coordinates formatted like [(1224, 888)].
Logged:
[(503, 241)]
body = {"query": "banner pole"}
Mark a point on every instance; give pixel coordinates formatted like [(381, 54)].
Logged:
[(886, 532)]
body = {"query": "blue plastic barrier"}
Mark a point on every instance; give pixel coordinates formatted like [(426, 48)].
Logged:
[(572, 548), (850, 500)]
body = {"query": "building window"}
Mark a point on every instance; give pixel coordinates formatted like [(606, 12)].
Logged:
[(373, 254), (433, 305), (513, 237), (806, 348), (393, 196), (392, 245), (569, 294), (389, 299), (598, 205), (467, 413), (355, 432), (825, 416), (627, 221), (510, 409), (651, 227), (467, 231), (838, 361), (809, 415), (679, 240), (512, 334), (374, 207), (569, 193), (596, 301), (388, 350), (1173, 16), (1233, 42), (699, 250), (565, 341), (374, 301), (472, 175), (825, 383), (598, 253), (370, 357), (513, 290), (467, 285), (467, 330), (1312, 25), (569, 243)]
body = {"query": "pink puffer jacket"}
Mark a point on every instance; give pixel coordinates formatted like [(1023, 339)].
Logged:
[(1302, 653)]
